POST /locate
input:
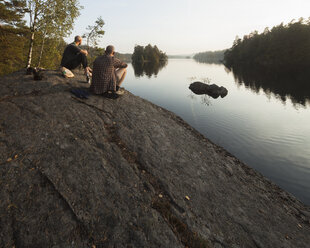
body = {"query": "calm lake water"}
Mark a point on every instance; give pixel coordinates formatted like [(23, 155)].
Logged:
[(269, 132)]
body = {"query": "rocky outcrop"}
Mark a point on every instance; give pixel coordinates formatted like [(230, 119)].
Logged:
[(126, 173), (212, 90)]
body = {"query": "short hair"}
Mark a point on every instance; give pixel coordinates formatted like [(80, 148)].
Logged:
[(109, 50), (77, 38)]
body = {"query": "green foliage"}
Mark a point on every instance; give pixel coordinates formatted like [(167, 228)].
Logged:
[(57, 22), (12, 13), (284, 47), (13, 50), (148, 54), (148, 60), (215, 57), (138, 55), (50, 20), (12, 36), (53, 50), (93, 53), (53, 18), (95, 32)]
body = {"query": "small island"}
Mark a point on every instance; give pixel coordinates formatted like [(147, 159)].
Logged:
[(148, 60)]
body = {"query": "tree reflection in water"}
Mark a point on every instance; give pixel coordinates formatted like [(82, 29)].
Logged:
[(149, 69), (204, 99), (295, 86)]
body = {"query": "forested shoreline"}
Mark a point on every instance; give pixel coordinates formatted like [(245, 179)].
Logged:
[(210, 57), (32, 33), (283, 48)]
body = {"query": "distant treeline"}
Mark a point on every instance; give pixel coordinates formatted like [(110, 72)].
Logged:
[(285, 48), (126, 57), (94, 52), (215, 57), (180, 56), (148, 54)]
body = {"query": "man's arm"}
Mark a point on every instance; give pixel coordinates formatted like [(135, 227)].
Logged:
[(77, 50), (84, 52), (119, 64)]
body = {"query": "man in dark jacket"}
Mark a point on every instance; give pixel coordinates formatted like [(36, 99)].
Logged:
[(108, 74), (73, 56)]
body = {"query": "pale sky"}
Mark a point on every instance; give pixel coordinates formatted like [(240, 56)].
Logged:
[(184, 26)]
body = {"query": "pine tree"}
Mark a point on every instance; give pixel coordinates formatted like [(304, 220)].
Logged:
[(284, 48), (94, 33), (12, 35)]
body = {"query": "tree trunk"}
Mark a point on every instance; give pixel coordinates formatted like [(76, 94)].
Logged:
[(87, 44), (30, 49), (41, 52)]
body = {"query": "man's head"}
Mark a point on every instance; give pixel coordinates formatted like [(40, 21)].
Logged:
[(110, 50), (78, 40)]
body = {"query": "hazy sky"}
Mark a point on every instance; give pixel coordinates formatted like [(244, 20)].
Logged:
[(184, 26)]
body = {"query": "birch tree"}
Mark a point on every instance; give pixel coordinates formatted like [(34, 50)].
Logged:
[(50, 18)]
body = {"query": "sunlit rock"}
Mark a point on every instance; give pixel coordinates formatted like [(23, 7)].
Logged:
[(123, 172)]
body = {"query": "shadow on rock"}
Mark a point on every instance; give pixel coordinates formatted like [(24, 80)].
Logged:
[(212, 90)]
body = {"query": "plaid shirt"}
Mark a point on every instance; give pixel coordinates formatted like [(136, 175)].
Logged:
[(104, 78)]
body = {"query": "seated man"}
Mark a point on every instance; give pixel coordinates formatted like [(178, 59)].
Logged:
[(108, 74), (73, 56)]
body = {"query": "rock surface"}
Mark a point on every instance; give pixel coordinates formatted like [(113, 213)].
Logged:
[(212, 90), (126, 173)]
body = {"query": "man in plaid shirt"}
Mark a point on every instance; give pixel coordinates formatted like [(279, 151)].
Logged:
[(108, 74)]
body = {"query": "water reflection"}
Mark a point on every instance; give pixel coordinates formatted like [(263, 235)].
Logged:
[(204, 99), (215, 62), (148, 69), (271, 137), (283, 85)]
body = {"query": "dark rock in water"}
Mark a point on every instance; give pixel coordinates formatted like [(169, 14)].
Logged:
[(126, 173), (212, 90)]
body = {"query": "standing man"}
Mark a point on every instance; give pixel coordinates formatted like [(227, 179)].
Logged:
[(108, 74), (73, 56)]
